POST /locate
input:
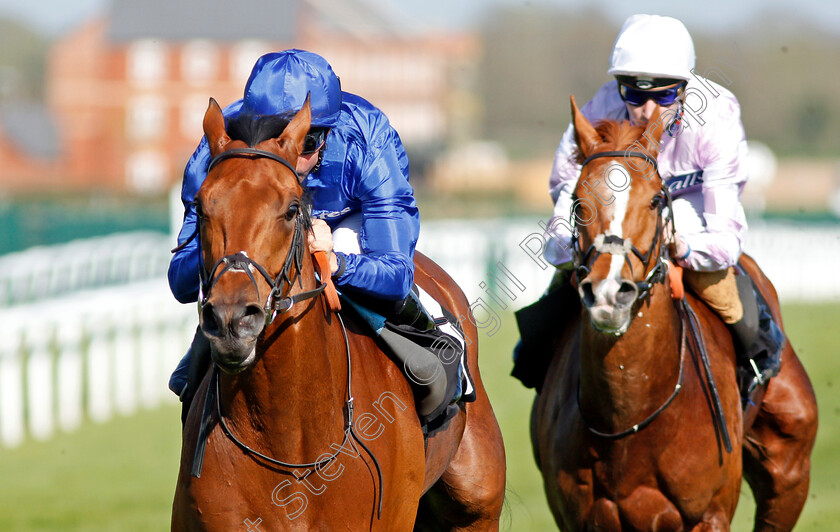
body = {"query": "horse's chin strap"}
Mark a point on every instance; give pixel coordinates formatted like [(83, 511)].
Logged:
[(275, 303)]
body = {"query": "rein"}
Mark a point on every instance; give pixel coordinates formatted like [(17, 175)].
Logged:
[(648, 420), (348, 426), (615, 245)]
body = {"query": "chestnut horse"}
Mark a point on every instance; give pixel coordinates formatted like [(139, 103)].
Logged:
[(309, 425), (633, 428)]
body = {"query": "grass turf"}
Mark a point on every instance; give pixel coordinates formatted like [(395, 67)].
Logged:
[(121, 475)]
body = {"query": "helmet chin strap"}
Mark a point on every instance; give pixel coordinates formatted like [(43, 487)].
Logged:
[(320, 158), (673, 128)]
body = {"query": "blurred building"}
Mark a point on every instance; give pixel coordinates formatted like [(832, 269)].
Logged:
[(126, 93)]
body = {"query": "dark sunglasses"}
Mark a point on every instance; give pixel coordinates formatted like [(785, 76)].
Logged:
[(314, 139), (637, 97)]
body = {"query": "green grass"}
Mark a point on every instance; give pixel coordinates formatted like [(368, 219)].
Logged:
[(117, 476), (121, 475)]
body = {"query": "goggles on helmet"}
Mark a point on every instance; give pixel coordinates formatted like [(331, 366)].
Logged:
[(314, 139), (637, 97)]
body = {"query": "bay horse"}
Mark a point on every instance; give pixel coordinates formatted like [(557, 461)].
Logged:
[(305, 423), (634, 429)]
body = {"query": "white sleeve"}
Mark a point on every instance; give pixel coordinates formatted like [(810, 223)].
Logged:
[(723, 149), (564, 175)]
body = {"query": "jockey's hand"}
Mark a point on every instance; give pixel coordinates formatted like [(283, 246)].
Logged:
[(677, 246), (320, 239)]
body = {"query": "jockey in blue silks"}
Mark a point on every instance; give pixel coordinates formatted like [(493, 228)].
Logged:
[(360, 169), (356, 170)]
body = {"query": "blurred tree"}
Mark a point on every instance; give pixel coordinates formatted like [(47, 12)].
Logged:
[(533, 59), (787, 90), (22, 58), (782, 70)]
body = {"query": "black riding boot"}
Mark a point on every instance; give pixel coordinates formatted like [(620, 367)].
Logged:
[(430, 358), (410, 311), (540, 323), (758, 340), (199, 355)]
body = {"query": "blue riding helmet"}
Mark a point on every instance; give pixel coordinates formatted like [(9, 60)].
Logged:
[(280, 82)]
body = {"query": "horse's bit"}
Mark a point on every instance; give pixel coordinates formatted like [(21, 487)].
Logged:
[(274, 304)]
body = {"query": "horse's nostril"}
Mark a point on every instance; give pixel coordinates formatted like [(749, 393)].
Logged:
[(251, 321), (253, 310), (627, 293), (586, 293), (210, 320)]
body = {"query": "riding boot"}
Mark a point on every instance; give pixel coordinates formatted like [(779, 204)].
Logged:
[(431, 353), (192, 367), (758, 340), (428, 351), (539, 325), (410, 311)]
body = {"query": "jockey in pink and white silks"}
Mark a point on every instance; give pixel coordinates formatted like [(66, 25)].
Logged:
[(702, 156), (704, 168), (702, 160)]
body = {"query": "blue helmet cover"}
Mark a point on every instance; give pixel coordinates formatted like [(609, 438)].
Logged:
[(280, 81)]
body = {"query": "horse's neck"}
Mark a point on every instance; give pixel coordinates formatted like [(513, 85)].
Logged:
[(294, 395), (623, 378)]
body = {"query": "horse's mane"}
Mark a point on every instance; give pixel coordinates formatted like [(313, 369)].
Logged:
[(614, 136), (253, 129)]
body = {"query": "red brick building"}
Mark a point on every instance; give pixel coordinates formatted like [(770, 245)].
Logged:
[(127, 92)]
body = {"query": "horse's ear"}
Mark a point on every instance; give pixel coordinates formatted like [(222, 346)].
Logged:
[(214, 128), (653, 132), (585, 135), (293, 135)]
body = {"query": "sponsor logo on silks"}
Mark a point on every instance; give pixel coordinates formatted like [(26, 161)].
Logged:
[(680, 184), (330, 214)]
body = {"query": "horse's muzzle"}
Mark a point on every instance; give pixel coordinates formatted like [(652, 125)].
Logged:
[(232, 330), (609, 303)]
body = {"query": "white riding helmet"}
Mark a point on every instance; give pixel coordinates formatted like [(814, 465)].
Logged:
[(652, 46)]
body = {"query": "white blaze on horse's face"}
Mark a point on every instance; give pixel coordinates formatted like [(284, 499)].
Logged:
[(622, 197), (613, 296)]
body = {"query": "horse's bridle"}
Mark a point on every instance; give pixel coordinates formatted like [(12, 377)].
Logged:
[(275, 302), (616, 245)]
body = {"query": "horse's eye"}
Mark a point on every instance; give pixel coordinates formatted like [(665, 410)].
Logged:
[(294, 208), (199, 212), (655, 202)]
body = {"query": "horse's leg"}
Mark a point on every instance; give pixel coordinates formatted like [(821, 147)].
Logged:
[(777, 450), (469, 495), (470, 492)]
